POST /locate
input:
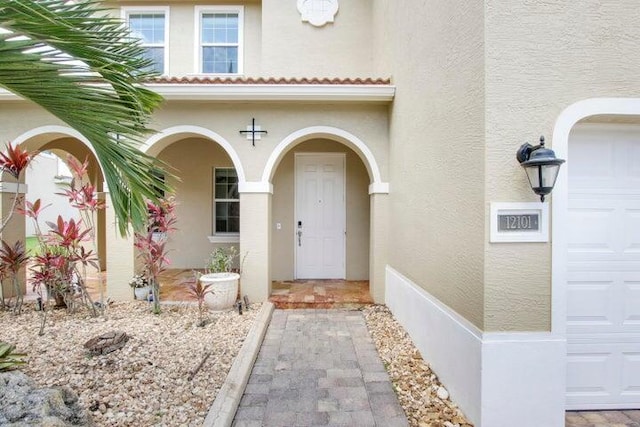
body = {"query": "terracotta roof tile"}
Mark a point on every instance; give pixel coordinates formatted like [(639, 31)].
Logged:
[(217, 80)]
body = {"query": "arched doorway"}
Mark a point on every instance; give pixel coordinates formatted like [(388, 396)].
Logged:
[(326, 191)]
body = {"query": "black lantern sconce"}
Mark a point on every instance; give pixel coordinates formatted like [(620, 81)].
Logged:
[(541, 166)]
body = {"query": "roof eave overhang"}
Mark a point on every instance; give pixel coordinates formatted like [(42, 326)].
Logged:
[(264, 92), (275, 92)]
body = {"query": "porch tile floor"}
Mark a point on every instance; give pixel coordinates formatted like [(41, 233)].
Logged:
[(173, 285), (320, 294)]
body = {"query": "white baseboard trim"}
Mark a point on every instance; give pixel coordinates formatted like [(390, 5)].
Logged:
[(496, 378)]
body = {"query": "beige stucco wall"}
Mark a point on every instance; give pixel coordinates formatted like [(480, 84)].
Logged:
[(436, 206), (541, 58), (193, 160), (293, 48), (366, 122), (276, 39), (474, 81), (357, 210)]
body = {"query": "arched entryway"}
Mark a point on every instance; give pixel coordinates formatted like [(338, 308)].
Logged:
[(56, 144), (207, 177), (326, 191), (596, 256)]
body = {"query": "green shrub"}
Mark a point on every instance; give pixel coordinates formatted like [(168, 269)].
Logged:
[(8, 358)]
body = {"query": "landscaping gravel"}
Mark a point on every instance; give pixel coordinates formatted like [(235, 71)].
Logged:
[(424, 399), (145, 382)]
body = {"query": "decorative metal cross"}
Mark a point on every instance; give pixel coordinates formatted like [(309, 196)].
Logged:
[(253, 132)]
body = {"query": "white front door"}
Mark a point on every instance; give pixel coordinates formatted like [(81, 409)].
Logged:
[(320, 216), (603, 277)]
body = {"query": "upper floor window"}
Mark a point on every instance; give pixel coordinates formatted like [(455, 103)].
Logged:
[(151, 25), (219, 31)]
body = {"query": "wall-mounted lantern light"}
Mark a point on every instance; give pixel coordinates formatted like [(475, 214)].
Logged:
[(541, 165)]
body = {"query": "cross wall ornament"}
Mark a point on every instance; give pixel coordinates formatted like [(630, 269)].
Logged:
[(253, 132)]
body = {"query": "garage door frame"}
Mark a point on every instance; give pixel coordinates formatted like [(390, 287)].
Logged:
[(559, 209)]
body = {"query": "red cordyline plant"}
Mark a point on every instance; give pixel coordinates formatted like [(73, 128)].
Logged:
[(13, 162), (13, 259), (151, 243), (83, 196), (198, 291), (62, 249)]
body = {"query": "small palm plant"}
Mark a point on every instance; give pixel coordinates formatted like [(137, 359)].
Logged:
[(9, 359)]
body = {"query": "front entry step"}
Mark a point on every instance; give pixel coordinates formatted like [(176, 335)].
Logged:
[(321, 294)]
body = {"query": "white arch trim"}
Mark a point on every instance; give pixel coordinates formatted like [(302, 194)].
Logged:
[(559, 209), (175, 133), (376, 185), (58, 132)]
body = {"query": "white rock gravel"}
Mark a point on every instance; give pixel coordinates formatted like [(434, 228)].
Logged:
[(144, 383), (425, 401)]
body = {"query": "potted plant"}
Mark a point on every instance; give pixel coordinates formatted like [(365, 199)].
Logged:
[(141, 286), (221, 279)]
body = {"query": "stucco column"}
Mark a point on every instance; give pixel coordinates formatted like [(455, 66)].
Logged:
[(255, 245), (378, 248), (15, 229), (120, 258)]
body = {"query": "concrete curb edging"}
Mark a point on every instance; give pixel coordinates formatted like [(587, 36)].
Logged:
[(224, 407)]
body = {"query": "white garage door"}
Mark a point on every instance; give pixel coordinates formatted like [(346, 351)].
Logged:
[(603, 313)]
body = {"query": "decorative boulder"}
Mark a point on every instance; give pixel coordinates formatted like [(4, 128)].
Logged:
[(21, 404)]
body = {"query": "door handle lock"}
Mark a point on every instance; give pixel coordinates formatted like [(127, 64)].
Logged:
[(299, 237)]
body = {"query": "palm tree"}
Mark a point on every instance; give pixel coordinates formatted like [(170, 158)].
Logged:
[(84, 67)]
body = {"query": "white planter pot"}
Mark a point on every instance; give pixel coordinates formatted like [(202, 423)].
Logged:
[(159, 236), (142, 293), (224, 290)]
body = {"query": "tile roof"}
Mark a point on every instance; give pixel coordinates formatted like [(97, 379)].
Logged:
[(217, 80)]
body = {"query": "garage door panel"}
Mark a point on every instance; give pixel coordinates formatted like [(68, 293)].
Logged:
[(596, 365), (603, 302), (605, 375), (630, 375), (631, 298), (602, 222), (583, 169), (604, 234), (591, 304), (631, 239), (633, 162)]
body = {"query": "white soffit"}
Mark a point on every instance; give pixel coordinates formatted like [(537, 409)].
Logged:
[(262, 92)]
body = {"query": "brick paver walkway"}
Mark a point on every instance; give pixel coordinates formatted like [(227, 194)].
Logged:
[(603, 419), (319, 368)]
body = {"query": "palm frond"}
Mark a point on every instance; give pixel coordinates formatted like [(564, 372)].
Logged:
[(84, 67)]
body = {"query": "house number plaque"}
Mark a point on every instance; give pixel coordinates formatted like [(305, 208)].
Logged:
[(519, 222)]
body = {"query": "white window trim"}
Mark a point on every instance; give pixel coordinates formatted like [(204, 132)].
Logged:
[(225, 238), (221, 236), (125, 11), (199, 11)]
